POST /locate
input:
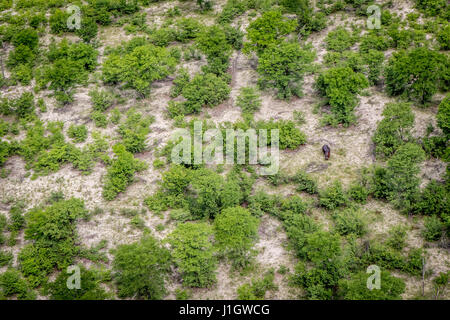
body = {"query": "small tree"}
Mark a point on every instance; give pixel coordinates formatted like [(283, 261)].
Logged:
[(355, 288), (248, 100), (394, 129), (268, 30), (333, 196), (141, 268), (339, 40), (443, 116), (121, 172), (204, 90), (401, 175), (433, 200), (235, 232), (90, 288), (417, 74), (140, 67), (321, 247), (340, 86), (282, 67), (193, 254)]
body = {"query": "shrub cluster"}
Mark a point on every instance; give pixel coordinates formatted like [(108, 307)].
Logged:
[(138, 64), (339, 86), (121, 172), (52, 232)]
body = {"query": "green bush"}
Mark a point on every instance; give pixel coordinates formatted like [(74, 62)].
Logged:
[(443, 116), (436, 147), (433, 7), (180, 215), (318, 282), (433, 200), (89, 286), (213, 42), (320, 247), (115, 116), (77, 133), (234, 36), (307, 19), (397, 237), (278, 178), (414, 262), (339, 40), (187, 29), (121, 172), (139, 67), (373, 41), (258, 288), (333, 197), (204, 90), (5, 257), (374, 60), (16, 218), (267, 30), (101, 99), (236, 231), (355, 288), (350, 221), (141, 269), (305, 183), (180, 81), (350, 59), (394, 130), (58, 22), (358, 193), (69, 64), (23, 73), (231, 10), (248, 100), (52, 232), (283, 66), (290, 136), (27, 37), (443, 37), (291, 207), (99, 119), (433, 228), (88, 30), (384, 257), (210, 193), (5, 151), (340, 86), (12, 284), (21, 55), (22, 107), (417, 74), (193, 254), (134, 131), (402, 171), (297, 227)]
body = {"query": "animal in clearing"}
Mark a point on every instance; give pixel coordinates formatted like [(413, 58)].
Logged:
[(326, 151)]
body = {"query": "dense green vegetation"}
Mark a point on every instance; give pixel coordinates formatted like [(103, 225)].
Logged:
[(87, 112), (417, 74), (141, 269), (235, 232), (138, 65), (193, 254), (53, 235), (121, 172), (340, 86)]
